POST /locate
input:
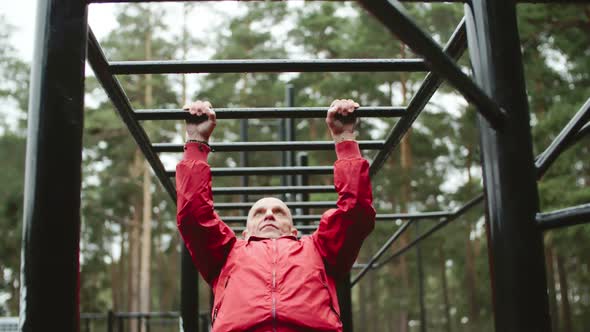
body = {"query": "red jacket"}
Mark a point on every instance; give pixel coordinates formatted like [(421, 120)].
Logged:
[(284, 284)]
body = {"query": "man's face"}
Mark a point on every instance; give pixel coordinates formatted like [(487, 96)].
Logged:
[(269, 218)]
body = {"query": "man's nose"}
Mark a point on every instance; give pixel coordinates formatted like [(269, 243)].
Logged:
[(269, 215)]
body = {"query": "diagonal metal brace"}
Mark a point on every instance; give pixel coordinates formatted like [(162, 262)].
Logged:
[(392, 14)]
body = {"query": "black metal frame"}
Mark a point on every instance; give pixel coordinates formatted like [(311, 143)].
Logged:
[(515, 223)]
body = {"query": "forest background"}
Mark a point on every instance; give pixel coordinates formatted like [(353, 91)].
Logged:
[(130, 248)]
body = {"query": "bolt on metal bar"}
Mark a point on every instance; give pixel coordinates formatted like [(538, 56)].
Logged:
[(268, 113), (378, 217), (115, 92), (394, 17), (272, 190), (380, 253), (267, 66), (442, 223), (454, 48), (268, 146), (239, 171), (562, 141), (571, 216)]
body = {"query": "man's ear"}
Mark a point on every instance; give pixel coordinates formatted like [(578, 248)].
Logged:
[(294, 231), (245, 234)]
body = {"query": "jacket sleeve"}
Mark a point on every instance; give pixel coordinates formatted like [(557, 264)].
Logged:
[(342, 231), (206, 237)]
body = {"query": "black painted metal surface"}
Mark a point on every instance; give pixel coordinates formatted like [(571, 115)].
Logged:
[(378, 217), (571, 216), (268, 65), (50, 272), (189, 293), (272, 190), (515, 242), (393, 16), (268, 171), (269, 146), (454, 48), (380, 253), (115, 92), (564, 140), (268, 113)]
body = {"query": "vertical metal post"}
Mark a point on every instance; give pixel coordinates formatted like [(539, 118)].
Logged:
[(110, 321), (244, 158), (304, 181), (423, 323), (515, 243), (189, 293), (344, 292), (287, 133), (51, 219)]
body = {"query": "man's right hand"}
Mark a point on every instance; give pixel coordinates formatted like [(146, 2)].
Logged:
[(202, 122)]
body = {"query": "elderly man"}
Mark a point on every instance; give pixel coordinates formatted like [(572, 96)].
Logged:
[(271, 280)]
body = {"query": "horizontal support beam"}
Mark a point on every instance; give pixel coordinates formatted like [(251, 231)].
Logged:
[(379, 217), (380, 253), (119, 99), (291, 205), (566, 217), (293, 170), (563, 140), (442, 223), (268, 146), (454, 48), (268, 66), (394, 17), (273, 190), (300, 228), (268, 113)]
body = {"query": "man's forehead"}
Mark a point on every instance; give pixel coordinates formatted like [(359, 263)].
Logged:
[(269, 202)]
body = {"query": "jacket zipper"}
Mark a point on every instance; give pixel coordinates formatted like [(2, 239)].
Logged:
[(273, 289)]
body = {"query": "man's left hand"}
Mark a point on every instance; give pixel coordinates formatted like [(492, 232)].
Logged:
[(341, 120)]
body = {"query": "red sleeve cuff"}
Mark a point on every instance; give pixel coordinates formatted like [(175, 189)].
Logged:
[(348, 150), (196, 151)]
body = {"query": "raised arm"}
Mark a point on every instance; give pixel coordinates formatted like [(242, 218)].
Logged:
[(342, 231), (207, 238)]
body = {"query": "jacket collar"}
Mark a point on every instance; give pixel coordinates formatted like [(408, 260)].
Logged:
[(257, 238)]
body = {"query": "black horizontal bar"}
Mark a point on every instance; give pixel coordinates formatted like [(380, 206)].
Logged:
[(380, 253), (378, 217), (291, 205), (268, 65), (454, 48), (563, 140), (444, 221), (268, 113), (273, 190), (299, 228), (565, 217), (394, 17), (293, 170), (268, 146), (115, 92), (169, 314)]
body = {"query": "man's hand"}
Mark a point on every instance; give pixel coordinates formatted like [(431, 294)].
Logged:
[(202, 122), (341, 121)]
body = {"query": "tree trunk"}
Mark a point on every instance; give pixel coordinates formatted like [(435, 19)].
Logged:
[(134, 244), (553, 309), (471, 279), (146, 237), (406, 166), (445, 288), (566, 315)]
